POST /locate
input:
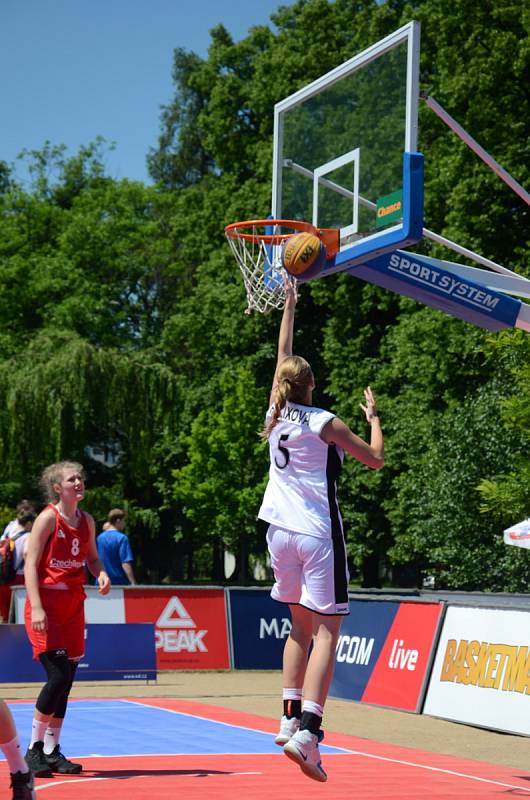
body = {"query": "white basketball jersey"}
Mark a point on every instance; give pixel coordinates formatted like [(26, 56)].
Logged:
[(301, 492)]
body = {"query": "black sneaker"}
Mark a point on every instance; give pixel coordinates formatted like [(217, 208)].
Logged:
[(23, 786), (36, 761), (57, 762)]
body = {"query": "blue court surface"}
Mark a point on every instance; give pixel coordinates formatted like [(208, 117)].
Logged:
[(123, 728)]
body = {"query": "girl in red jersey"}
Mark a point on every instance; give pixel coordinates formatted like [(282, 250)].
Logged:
[(62, 541)]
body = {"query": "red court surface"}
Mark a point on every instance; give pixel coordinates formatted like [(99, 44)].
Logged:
[(369, 770)]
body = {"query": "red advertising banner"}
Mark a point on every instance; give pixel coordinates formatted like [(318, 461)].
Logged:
[(190, 625), (399, 674)]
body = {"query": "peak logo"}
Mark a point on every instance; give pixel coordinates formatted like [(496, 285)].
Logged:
[(190, 625), (175, 615), (177, 632)]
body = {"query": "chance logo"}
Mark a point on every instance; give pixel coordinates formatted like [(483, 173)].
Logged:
[(389, 209), (177, 631)]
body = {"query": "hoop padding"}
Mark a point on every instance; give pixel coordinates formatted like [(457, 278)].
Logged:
[(256, 245)]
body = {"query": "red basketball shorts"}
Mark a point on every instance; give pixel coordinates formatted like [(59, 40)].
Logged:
[(65, 609)]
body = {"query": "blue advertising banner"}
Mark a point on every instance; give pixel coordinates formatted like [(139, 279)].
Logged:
[(410, 275), (113, 652), (259, 627), (361, 640)]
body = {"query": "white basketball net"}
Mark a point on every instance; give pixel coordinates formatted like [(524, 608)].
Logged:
[(263, 274)]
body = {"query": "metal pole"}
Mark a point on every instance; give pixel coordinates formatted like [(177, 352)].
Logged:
[(464, 251), (471, 143)]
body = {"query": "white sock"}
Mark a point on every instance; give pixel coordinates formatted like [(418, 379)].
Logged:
[(38, 726), (51, 738), (14, 756), (292, 694), (313, 708)]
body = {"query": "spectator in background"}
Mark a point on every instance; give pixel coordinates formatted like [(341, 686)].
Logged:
[(19, 534), (25, 521), (15, 525), (115, 550)]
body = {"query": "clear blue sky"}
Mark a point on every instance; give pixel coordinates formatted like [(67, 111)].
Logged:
[(75, 69)]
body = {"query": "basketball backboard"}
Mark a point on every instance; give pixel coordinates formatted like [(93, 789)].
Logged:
[(345, 157), (345, 151)]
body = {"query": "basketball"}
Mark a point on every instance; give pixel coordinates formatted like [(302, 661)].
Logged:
[(303, 256)]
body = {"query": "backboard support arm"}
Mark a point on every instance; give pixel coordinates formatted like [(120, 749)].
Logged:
[(476, 147)]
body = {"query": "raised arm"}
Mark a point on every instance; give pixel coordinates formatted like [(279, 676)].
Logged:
[(285, 336), (337, 432)]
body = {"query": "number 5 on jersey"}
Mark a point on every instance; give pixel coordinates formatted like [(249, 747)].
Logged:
[(284, 451)]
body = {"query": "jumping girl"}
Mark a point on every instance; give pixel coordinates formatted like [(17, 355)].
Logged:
[(305, 537)]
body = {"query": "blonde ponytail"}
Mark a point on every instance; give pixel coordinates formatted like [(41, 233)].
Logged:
[(295, 379)]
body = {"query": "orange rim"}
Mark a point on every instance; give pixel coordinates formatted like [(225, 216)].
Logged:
[(237, 230)]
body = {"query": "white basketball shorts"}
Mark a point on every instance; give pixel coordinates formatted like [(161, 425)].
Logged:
[(309, 571)]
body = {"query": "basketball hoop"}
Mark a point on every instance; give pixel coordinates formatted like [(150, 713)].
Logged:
[(257, 247)]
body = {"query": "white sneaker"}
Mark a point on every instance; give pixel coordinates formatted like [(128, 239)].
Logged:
[(302, 747), (288, 728)]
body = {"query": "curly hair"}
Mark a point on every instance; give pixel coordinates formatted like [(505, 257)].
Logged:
[(54, 474)]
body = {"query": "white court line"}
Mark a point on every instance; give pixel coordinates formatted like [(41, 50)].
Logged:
[(128, 777), (229, 725), (358, 753), (440, 769), (343, 752), (353, 752)]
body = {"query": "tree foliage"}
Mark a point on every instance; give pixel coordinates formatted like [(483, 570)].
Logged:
[(123, 343)]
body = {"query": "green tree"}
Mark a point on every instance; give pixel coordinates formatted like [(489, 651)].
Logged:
[(505, 494), (87, 271), (423, 366), (221, 484), (134, 287)]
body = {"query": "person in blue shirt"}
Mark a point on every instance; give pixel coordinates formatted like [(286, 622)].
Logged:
[(115, 549)]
